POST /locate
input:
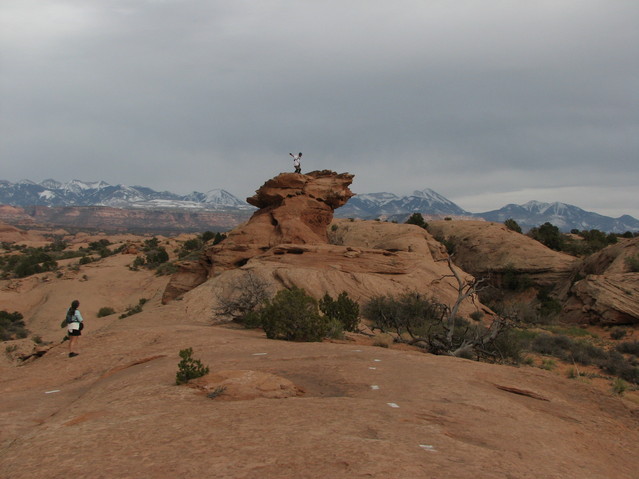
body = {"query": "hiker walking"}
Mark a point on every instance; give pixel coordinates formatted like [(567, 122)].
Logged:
[(74, 327), (296, 162)]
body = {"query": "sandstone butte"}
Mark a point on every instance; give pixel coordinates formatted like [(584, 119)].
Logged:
[(276, 409)]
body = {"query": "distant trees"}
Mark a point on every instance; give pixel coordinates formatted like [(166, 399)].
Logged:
[(417, 219), (511, 224), (549, 235)]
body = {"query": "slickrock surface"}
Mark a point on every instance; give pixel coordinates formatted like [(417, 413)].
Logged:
[(273, 409), (364, 411), (483, 247), (605, 291)]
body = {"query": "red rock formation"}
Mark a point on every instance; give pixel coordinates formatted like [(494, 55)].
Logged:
[(294, 209), (604, 290)]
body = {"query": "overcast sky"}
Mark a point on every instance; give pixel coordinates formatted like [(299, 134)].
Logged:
[(486, 102)]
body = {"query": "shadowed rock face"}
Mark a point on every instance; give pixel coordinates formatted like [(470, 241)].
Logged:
[(604, 290)]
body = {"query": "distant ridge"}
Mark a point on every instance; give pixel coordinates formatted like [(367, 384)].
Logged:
[(383, 205), (565, 217), (81, 193)]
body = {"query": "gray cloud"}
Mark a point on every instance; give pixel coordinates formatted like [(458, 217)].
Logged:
[(479, 100)]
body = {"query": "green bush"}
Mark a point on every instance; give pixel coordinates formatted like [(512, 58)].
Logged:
[(417, 219), (633, 263), (12, 326), (292, 315), (189, 368), (629, 347), (344, 310), (512, 225), (618, 333), (105, 311), (131, 310), (548, 235), (86, 260)]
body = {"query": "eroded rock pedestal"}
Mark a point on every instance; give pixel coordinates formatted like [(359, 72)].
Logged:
[(292, 240)]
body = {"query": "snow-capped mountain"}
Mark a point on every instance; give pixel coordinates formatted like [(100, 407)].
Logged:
[(565, 217), (375, 205), (365, 206), (99, 193)]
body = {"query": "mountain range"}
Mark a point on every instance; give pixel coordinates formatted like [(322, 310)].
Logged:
[(387, 206), (80, 193)]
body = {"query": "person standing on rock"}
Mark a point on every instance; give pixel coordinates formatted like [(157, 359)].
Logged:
[(75, 324), (296, 162)]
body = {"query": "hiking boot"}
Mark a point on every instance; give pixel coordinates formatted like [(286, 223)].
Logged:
[(73, 354)]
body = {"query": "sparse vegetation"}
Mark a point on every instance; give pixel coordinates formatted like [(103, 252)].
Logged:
[(618, 333), (12, 326), (343, 309), (633, 263), (218, 391), (246, 295), (293, 315), (131, 310), (436, 327), (512, 225), (105, 311), (629, 347), (417, 219), (189, 368), (619, 386)]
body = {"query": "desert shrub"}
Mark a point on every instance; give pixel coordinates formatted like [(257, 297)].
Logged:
[(409, 313), (343, 309), (131, 310), (189, 247), (207, 236), (189, 368), (618, 333), (246, 296), (513, 280), (156, 257), (633, 263), (567, 349), (166, 269), (335, 329), (417, 219), (448, 242), (512, 225), (105, 311), (549, 307), (619, 386), (548, 364), (86, 260), (618, 366), (218, 238), (12, 326), (476, 315), (628, 347), (292, 315), (430, 325)]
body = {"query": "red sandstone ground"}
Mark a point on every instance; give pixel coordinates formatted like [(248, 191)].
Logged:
[(363, 411), (114, 412)]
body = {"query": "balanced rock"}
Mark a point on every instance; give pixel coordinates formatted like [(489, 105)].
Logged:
[(294, 209)]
